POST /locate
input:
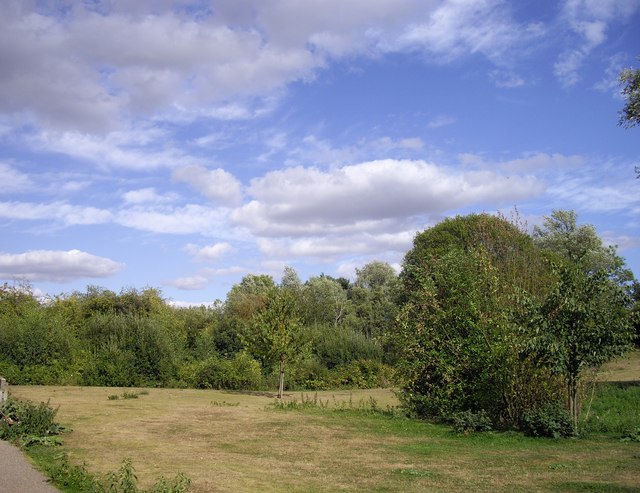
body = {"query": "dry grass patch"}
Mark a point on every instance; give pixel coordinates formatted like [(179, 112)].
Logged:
[(228, 441), (623, 369)]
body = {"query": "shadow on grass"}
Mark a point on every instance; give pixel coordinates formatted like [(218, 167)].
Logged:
[(625, 384), (259, 393), (594, 486)]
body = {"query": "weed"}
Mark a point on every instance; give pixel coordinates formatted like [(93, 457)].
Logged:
[(70, 477), (418, 473), (225, 404), (304, 403), (27, 423), (128, 395), (634, 436)]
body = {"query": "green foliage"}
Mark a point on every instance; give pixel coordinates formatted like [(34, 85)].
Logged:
[(465, 422), (550, 420), (75, 478), (452, 337), (630, 81), (335, 346), (583, 322), (275, 335), (239, 373), (33, 335), (124, 480), (130, 350), (565, 240), (363, 374), (324, 302), (23, 421)]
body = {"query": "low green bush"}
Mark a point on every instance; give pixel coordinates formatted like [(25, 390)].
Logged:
[(238, 373), (22, 419), (468, 421), (550, 420)]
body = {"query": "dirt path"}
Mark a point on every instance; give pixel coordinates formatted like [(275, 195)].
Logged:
[(17, 475)]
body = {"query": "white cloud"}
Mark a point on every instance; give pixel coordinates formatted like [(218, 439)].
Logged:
[(12, 180), (136, 149), (152, 60), (507, 79), (218, 185), (191, 218), (298, 200), (56, 266), (191, 283), (332, 247), (147, 195), (210, 252), (458, 28), (589, 20), (59, 211), (441, 121)]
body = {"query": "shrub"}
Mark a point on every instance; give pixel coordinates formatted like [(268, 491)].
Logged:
[(468, 421), (20, 419), (364, 374), (240, 373), (550, 420), (336, 346)]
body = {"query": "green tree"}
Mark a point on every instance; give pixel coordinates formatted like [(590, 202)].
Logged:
[(457, 349), (584, 321), (630, 114), (275, 334), (561, 235), (630, 82), (374, 298), (325, 301)]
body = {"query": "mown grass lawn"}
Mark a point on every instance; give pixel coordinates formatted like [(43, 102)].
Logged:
[(240, 442)]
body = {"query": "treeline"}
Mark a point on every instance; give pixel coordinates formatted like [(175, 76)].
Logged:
[(136, 338), (485, 321)]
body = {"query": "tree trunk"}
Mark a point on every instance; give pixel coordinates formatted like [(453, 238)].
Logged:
[(572, 390), (281, 385)]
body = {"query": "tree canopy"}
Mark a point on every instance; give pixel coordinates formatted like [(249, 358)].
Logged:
[(630, 81)]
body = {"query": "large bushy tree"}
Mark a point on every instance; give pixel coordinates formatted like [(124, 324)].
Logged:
[(457, 348)]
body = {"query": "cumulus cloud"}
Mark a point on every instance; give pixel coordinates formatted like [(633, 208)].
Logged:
[(218, 185), (191, 218), (147, 195), (298, 200), (159, 60), (136, 148), (190, 283), (331, 247), (210, 252), (56, 266), (59, 211)]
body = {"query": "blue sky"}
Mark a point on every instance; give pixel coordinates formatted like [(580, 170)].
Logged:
[(184, 144)]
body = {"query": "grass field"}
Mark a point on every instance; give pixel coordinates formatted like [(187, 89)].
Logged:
[(239, 442)]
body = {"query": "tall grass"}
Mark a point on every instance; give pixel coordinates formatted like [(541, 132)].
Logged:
[(615, 409)]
